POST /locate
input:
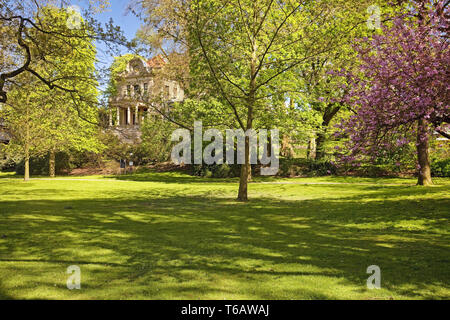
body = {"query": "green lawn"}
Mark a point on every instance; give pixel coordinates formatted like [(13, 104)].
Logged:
[(172, 236)]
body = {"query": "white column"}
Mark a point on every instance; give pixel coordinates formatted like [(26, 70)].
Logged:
[(110, 118), (118, 116), (137, 115), (129, 116)]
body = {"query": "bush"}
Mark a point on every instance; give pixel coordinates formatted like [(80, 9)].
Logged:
[(217, 171), (7, 165), (375, 170), (223, 171), (85, 159), (306, 167), (39, 166), (322, 168), (156, 145), (441, 168)]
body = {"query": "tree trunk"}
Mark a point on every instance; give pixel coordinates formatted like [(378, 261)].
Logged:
[(27, 148), (329, 113), (320, 145), (52, 164), (311, 152), (27, 169), (245, 172), (286, 147), (27, 164), (423, 154), (246, 169)]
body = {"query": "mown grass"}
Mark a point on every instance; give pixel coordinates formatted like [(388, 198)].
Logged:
[(173, 236)]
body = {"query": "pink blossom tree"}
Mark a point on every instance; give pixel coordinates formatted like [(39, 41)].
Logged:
[(402, 89)]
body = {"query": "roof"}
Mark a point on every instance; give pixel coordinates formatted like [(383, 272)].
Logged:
[(156, 62)]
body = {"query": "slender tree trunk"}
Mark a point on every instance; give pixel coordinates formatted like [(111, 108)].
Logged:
[(286, 147), (423, 154), (27, 146), (246, 169), (52, 164), (27, 165), (312, 148)]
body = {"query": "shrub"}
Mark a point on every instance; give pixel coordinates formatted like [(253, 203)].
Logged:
[(223, 171), (441, 168), (322, 168), (218, 171), (306, 167), (7, 164), (374, 170), (208, 174), (85, 159), (156, 145)]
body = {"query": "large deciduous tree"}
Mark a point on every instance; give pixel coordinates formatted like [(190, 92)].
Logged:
[(402, 90), (22, 114), (322, 88), (27, 30), (248, 50), (55, 120)]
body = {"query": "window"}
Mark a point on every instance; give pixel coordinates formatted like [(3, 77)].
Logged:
[(137, 90), (128, 90), (167, 91), (146, 87), (175, 92)]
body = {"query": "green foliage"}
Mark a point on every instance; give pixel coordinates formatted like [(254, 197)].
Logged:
[(441, 168), (114, 148), (156, 142), (209, 110), (70, 122), (154, 147), (439, 156), (217, 170), (84, 159), (42, 120), (292, 167), (375, 170), (225, 171), (7, 162), (39, 165)]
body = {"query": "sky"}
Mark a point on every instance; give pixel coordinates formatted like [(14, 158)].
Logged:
[(127, 22)]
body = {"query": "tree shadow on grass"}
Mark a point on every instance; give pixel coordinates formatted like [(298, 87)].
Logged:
[(9, 175), (187, 247), (3, 294)]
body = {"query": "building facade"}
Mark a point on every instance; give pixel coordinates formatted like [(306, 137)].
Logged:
[(137, 89)]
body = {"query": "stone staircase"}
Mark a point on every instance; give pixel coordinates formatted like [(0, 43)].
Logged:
[(128, 134)]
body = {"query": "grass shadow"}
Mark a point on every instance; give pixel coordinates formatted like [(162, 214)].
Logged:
[(175, 246)]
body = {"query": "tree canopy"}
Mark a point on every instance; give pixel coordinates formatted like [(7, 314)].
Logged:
[(401, 89)]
